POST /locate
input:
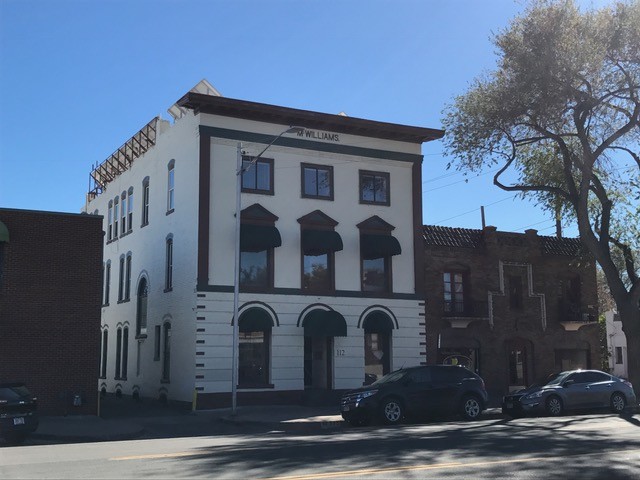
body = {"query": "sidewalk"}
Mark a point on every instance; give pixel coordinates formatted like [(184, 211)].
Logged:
[(286, 418)]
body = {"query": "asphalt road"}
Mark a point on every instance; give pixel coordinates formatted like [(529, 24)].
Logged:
[(585, 447)]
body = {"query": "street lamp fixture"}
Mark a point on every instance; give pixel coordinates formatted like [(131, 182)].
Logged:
[(240, 169)]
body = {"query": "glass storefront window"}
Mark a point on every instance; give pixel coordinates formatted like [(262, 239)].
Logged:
[(253, 358)]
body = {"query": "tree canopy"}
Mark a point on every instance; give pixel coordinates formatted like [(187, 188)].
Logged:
[(559, 117)]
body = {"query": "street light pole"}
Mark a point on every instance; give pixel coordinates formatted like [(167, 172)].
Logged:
[(236, 282)]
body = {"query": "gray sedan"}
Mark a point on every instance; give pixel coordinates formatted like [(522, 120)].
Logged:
[(575, 389)]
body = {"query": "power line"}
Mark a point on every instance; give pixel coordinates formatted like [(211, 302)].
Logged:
[(474, 210)]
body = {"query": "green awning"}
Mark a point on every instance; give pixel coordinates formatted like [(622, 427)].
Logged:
[(377, 246), (317, 242), (256, 238), (255, 320), (325, 323), (4, 233), (377, 322)]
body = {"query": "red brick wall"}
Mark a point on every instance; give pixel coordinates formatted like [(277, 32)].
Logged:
[(481, 267), (50, 297)]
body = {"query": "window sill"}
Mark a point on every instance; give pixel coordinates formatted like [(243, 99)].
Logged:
[(377, 204), (169, 212), (144, 225), (112, 240), (125, 233), (256, 386), (166, 290), (126, 300), (141, 336), (317, 197)]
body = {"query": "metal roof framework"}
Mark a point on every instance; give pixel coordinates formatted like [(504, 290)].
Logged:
[(122, 159)]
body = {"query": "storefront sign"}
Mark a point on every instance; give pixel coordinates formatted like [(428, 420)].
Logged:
[(317, 135)]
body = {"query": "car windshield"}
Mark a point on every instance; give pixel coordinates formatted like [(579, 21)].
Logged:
[(391, 377), (557, 378)]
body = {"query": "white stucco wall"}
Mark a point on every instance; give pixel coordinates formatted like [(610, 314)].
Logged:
[(147, 246), (616, 338)]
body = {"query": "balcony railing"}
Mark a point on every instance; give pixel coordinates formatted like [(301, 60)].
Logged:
[(468, 309)]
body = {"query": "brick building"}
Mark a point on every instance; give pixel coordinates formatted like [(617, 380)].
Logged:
[(513, 307), (50, 290)]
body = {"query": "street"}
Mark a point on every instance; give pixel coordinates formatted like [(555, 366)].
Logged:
[(582, 446)]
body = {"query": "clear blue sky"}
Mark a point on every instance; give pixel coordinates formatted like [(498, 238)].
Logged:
[(78, 78)]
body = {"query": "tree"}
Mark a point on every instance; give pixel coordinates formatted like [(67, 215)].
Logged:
[(559, 117)]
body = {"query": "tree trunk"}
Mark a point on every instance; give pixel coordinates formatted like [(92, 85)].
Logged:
[(630, 317)]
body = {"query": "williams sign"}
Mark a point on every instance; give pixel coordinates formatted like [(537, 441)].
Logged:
[(316, 135)]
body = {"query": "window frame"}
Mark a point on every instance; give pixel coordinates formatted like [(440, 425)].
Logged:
[(146, 192), (270, 274), (316, 167), (116, 375), (171, 184), (141, 320), (168, 270), (165, 375), (262, 160), (116, 217), (107, 283), (104, 353), (110, 221), (267, 347), (127, 279), (516, 292), (388, 288), (619, 355), (130, 210), (454, 301), (121, 279), (123, 213), (370, 173)]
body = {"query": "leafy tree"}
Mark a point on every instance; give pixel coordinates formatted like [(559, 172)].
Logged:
[(559, 116)]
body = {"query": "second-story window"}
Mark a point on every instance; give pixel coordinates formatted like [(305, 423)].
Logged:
[(168, 271), (145, 202), (317, 181), (453, 292), (127, 280), (107, 282), (377, 247), (258, 237), (374, 188), (171, 187), (319, 242), (515, 292), (141, 311), (121, 280), (257, 178)]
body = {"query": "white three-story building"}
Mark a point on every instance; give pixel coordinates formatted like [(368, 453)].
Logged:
[(331, 287)]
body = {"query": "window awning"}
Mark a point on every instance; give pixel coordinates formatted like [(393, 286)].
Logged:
[(317, 242), (4, 233), (255, 320), (376, 246), (256, 238), (327, 323), (377, 322)]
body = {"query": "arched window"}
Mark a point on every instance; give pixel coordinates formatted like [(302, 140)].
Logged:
[(166, 352), (118, 353), (377, 327), (168, 270), (125, 353), (110, 221), (116, 215), (254, 347), (107, 282), (141, 311), (127, 280), (103, 358), (145, 202), (130, 209), (171, 186), (123, 208)]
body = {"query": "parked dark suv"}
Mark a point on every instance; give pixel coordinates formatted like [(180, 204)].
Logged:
[(18, 415), (416, 391)]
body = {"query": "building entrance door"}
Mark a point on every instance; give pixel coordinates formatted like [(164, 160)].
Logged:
[(318, 362)]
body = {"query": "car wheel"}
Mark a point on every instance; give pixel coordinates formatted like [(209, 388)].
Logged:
[(618, 402), (392, 411), (554, 406), (471, 407)]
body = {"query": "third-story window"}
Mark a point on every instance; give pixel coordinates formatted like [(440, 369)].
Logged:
[(145, 202), (453, 292), (110, 221), (171, 187), (317, 181), (123, 208), (374, 188), (168, 274), (130, 210), (116, 215), (257, 178)]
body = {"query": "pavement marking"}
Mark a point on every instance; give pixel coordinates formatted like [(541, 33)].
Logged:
[(436, 466), (156, 455)]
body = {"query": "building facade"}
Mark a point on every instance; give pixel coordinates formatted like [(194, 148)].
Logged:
[(330, 244), (50, 289), (616, 345), (513, 307)]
